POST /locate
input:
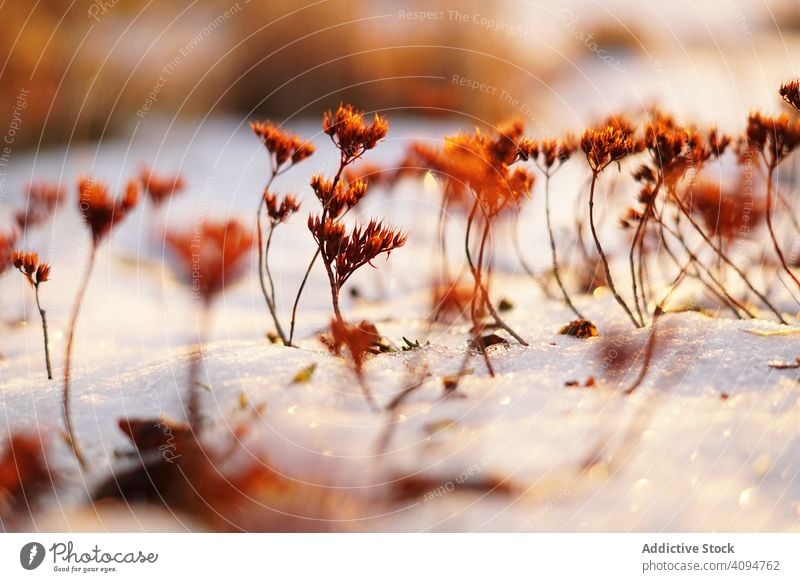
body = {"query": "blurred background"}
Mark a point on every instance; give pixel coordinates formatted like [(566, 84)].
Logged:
[(77, 71)]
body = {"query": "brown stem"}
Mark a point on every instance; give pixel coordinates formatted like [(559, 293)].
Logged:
[(76, 309), (299, 293), (193, 405), (442, 232), (723, 294), (638, 241), (770, 174), (44, 331), (263, 263), (602, 254), (553, 253), (343, 162), (727, 260), (479, 287)]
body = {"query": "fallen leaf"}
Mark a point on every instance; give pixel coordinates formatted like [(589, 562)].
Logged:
[(304, 375)]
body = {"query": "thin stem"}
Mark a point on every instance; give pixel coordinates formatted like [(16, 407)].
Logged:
[(76, 309), (44, 331), (299, 293), (722, 294), (553, 253), (725, 258), (638, 241), (602, 254), (525, 266), (477, 277), (442, 232), (343, 162), (263, 262), (335, 288), (770, 174), (271, 303), (193, 405)]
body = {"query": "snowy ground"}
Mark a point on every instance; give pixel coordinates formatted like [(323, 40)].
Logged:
[(709, 442)]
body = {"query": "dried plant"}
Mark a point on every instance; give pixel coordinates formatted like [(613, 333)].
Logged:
[(24, 475), (210, 257), (356, 342), (480, 178), (36, 273), (345, 252), (353, 136), (100, 213), (774, 138), (42, 200), (791, 93), (8, 242), (221, 485), (160, 188), (727, 214), (549, 156), (452, 300), (284, 151), (605, 145)]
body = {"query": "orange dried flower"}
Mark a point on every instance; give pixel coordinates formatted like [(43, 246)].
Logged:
[(548, 151), (43, 198), (160, 188), (28, 264), (346, 253), (351, 134), (609, 143), (726, 214), (99, 211), (281, 145), (776, 137), (452, 300), (359, 341), (211, 256), (280, 209), (7, 243), (791, 93), (338, 199), (480, 164)]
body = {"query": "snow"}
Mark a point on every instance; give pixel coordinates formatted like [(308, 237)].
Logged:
[(708, 442)]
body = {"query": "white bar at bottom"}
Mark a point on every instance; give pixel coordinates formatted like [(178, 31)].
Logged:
[(403, 557)]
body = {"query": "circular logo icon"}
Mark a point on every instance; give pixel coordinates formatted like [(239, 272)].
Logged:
[(31, 555)]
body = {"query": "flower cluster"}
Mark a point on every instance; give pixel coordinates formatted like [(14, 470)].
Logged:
[(28, 264), (337, 198), (351, 133), (100, 212), (279, 209), (727, 214), (609, 143), (791, 93), (451, 300), (776, 137), (479, 166), (281, 145), (359, 340), (548, 153), (160, 188), (347, 252), (211, 256), (7, 243), (43, 198)]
